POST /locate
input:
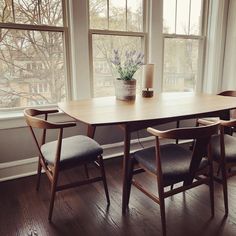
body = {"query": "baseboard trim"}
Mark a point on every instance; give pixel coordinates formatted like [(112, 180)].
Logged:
[(22, 168)]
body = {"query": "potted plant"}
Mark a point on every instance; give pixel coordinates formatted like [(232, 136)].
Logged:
[(125, 84)]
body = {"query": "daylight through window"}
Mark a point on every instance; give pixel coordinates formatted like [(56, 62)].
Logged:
[(183, 43), (31, 53), (114, 24)]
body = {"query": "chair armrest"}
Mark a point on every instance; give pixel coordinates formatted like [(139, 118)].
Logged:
[(154, 132), (228, 123), (36, 112), (61, 125), (205, 122)]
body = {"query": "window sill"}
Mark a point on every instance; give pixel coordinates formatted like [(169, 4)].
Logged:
[(15, 119)]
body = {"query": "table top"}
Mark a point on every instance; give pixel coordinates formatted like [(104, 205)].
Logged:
[(109, 110)]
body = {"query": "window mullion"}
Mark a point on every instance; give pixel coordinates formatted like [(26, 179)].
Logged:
[(189, 16), (32, 27), (39, 9), (13, 11), (126, 15), (176, 2), (108, 14), (119, 33)]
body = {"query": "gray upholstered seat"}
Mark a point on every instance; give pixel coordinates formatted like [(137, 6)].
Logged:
[(76, 148), (175, 161), (230, 148)]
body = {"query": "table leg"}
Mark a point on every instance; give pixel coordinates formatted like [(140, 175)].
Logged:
[(125, 169), (91, 131)]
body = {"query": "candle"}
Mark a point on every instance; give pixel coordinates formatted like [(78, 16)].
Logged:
[(148, 76)]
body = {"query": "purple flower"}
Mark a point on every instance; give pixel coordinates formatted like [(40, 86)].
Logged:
[(132, 62)]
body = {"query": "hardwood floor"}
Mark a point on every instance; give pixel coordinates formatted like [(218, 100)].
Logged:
[(83, 210)]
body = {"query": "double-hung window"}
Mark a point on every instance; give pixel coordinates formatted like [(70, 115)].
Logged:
[(114, 24), (32, 52), (184, 37)]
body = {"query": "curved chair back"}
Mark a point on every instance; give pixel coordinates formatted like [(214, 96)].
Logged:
[(201, 137), (229, 93), (41, 123)]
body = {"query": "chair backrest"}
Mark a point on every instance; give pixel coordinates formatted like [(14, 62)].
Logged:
[(200, 135), (229, 93)]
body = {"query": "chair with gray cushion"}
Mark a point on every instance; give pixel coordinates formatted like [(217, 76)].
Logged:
[(224, 153), (232, 115), (63, 153), (172, 163)]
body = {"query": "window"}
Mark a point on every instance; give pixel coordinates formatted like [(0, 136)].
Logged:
[(32, 53), (183, 31), (114, 24)]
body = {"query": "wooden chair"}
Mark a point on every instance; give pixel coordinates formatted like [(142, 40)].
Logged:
[(171, 164), (227, 93), (63, 153), (224, 154)]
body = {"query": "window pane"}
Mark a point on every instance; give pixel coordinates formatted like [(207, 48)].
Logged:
[(103, 72), (6, 11), (32, 68), (117, 15), (180, 64), (135, 15), (98, 14), (195, 17), (26, 12), (51, 12), (169, 16), (46, 12), (182, 22)]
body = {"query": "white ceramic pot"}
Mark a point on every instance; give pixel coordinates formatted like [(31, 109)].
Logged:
[(125, 89)]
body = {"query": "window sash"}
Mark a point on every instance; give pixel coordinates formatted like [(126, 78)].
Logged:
[(145, 13), (202, 42), (66, 46), (141, 35)]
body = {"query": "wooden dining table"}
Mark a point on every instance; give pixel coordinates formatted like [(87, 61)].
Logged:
[(144, 112)]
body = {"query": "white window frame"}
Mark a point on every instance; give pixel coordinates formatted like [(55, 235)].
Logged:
[(143, 35), (202, 45), (60, 29)]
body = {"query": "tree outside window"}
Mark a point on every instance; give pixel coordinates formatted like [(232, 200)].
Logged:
[(31, 53)]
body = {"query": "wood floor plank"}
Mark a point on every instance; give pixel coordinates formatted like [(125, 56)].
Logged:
[(83, 210)]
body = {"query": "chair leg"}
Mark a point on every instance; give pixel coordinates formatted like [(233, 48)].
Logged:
[(53, 193), (177, 126), (211, 189), (86, 170), (225, 190), (162, 206), (38, 174), (163, 215), (130, 177), (104, 179)]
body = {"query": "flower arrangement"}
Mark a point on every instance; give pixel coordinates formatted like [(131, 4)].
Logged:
[(133, 61)]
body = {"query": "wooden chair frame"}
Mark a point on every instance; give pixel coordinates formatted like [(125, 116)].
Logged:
[(226, 168), (223, 166), (52, 171), (202, 141)]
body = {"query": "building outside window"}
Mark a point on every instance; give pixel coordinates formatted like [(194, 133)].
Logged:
[(32, 54), (114, 24), (184, 37)]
